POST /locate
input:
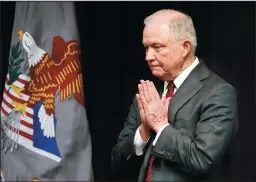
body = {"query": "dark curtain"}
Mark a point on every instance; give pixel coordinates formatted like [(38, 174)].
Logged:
[(113, 63)]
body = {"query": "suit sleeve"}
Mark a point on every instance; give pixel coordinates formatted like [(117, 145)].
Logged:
[(217, 124), (123, 153)]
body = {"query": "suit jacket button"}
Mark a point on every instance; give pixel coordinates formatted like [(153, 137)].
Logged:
[(128, 158)]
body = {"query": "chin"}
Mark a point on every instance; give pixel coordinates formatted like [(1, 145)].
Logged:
[(157, 74)]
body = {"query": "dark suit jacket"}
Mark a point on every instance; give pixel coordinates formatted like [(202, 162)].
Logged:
[(196, 145)]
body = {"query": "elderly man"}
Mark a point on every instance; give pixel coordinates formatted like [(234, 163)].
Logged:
[(183, 124)]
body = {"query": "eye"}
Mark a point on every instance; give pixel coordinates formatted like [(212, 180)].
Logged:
[(158, 48)]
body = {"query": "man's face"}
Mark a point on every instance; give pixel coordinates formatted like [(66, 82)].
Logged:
[(163, 55)]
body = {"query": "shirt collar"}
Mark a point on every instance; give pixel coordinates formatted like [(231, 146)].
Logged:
[(184, 74)]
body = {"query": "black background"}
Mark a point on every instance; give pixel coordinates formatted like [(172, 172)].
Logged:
[(113, 63)]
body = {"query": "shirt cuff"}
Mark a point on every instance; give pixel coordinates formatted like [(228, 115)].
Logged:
[(139, 145), (159, 133)]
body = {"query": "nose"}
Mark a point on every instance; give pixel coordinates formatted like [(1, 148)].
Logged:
[(150, 56)]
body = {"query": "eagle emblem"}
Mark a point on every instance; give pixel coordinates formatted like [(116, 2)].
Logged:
[(28, 106)]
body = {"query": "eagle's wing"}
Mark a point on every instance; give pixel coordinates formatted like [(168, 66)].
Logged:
[(68, 76), (65, 73)]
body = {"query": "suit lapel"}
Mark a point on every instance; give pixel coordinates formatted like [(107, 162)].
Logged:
[(183, 94), (188, 89)]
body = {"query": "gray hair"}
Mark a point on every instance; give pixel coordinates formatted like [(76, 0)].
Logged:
[(181, 26)]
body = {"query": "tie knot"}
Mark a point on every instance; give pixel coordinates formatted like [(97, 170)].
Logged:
[(170, 85), (170, 91)]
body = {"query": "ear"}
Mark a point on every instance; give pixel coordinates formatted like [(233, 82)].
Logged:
[(186, 47)]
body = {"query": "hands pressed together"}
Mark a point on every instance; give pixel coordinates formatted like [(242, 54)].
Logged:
[(153, 109)]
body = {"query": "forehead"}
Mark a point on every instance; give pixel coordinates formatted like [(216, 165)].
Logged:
[(156, 32)]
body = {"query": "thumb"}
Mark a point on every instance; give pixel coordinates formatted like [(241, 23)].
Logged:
[(167, 102), (163, 99)]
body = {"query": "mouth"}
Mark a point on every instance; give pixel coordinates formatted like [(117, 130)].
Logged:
[(153, 67)]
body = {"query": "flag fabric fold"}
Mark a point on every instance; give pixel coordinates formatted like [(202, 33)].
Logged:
[(44, 127)]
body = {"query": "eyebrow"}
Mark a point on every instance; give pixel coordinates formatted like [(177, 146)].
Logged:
[(152, 43)]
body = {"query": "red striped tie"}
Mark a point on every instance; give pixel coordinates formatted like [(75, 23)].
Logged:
[(170, 93)]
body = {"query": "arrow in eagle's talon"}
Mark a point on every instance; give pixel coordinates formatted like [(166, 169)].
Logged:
[(20, 107), (16, 89), (12, 148), (7, 146), (16, 146)]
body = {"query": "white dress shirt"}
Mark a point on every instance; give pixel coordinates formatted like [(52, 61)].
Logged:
[(138, 142)]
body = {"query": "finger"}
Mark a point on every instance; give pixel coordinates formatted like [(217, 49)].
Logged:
[(163, 100), (140, 89), (145, 91), (143, 86), (139, 102), (142, 97), (167, 103), (149, 90), (154, 92)]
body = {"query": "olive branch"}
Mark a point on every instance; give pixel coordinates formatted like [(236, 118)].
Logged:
[(14, 63)]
